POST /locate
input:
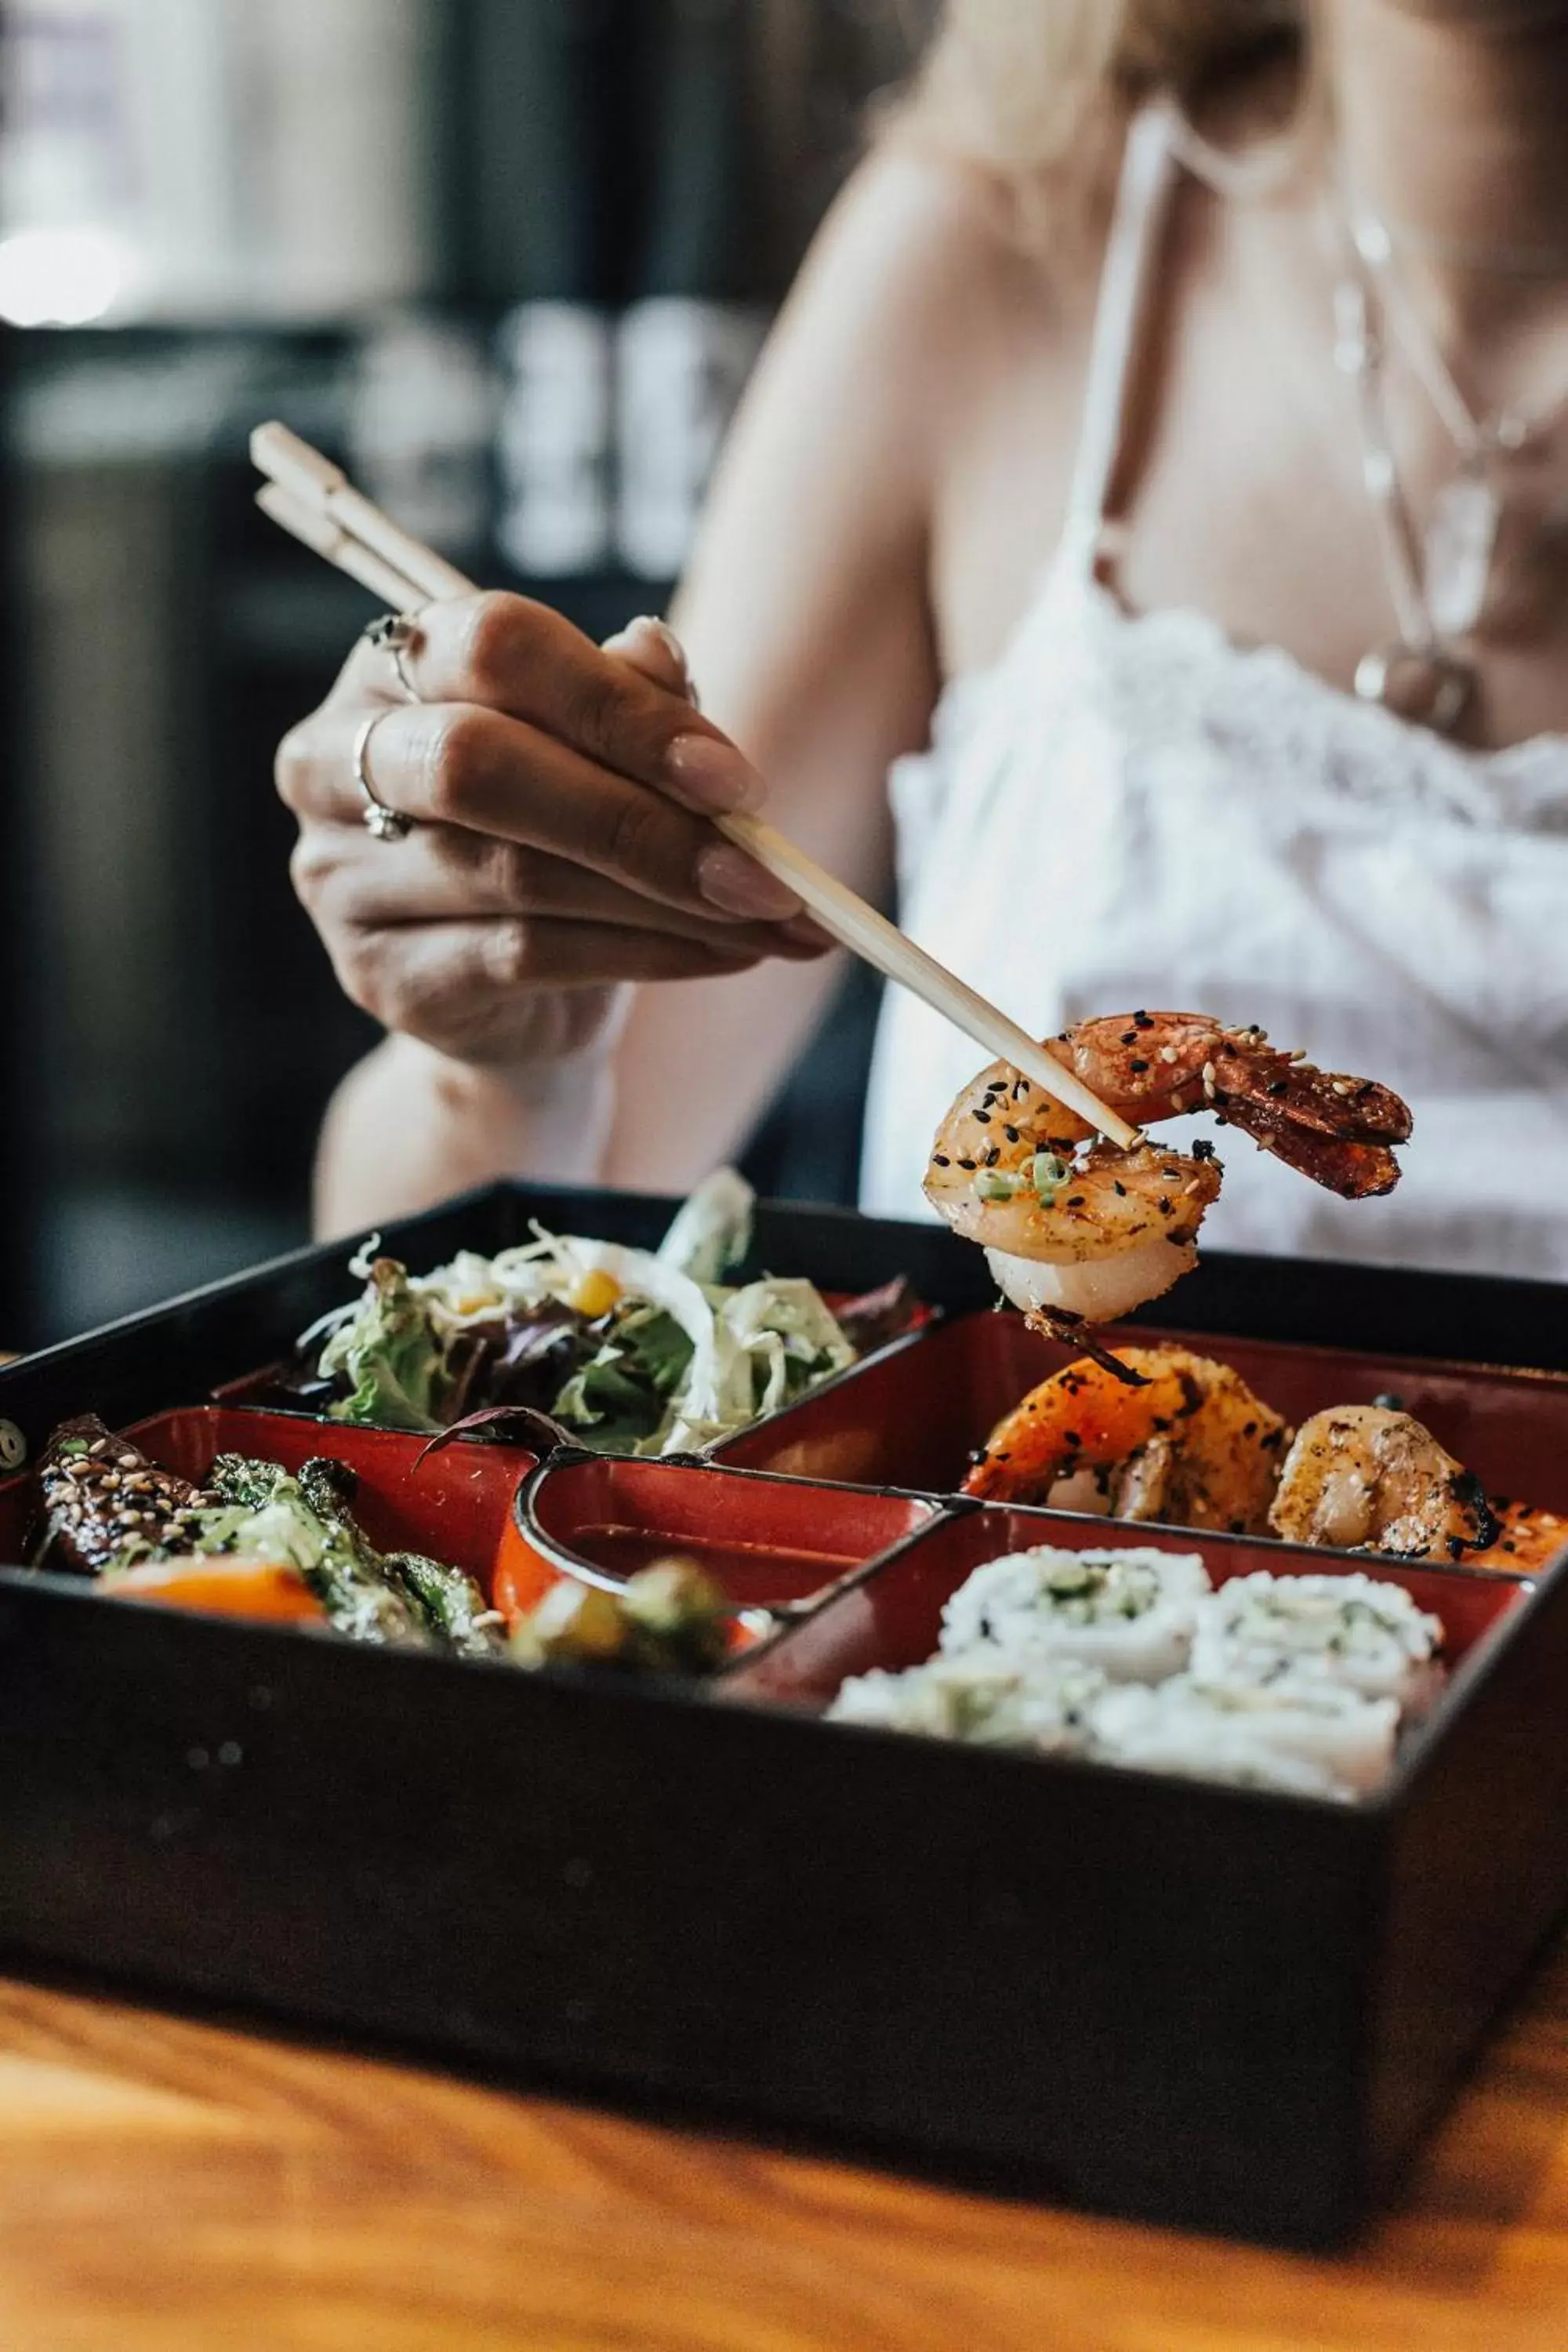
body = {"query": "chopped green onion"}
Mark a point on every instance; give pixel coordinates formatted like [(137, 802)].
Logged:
[(995, 1184), (1049, 1174)]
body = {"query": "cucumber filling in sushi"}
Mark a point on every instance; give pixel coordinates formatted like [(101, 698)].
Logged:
[(1045, 1706), (1132, 1613), (1130, 1657), (1358, 1631)]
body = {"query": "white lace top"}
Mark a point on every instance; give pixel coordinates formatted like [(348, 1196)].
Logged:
[(1134, 810)]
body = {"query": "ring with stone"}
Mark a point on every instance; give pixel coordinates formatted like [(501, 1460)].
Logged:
[(385, 823), (395, 633)]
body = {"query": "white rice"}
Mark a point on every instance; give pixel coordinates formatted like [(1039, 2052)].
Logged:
[(1358, 1631), (973, 1697), (1129, 1612), (1317, 1739)]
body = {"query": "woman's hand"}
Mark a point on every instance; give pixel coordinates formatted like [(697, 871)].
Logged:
[(559, 846)]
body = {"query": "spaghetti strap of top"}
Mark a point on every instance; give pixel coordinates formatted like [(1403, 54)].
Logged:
[(1150, 167)]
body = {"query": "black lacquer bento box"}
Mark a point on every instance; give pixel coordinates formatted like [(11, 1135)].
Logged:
[(1167, 1998)]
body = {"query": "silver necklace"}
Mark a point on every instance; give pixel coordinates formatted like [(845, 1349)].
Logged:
[(1419, 674), (1505, 260), (1460, 547)]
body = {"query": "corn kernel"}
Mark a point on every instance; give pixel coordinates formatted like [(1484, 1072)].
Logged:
[(595, 1294)]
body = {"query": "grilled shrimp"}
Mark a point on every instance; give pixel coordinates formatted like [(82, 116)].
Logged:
[(1364, 1478), (1076, 1236), (1190, 1444)]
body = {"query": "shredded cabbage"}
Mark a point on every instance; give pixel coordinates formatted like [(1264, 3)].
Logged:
[(683, 1360)]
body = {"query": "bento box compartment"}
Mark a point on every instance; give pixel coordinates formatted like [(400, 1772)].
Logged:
[(452, 1505), (915, 1416), (892, 1618), (767, 1543)]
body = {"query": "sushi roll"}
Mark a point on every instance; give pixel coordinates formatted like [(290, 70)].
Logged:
[(1045, 1706), (1129, 1612), (1358, 1631), (1315, 1738)]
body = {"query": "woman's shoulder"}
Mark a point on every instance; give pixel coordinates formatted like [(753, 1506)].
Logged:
[(933, 228)]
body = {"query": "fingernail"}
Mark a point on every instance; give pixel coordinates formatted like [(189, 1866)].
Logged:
[(668, 639), (711, 775), (729, 879)]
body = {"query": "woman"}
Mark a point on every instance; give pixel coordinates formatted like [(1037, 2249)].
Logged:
[(1252, 739)]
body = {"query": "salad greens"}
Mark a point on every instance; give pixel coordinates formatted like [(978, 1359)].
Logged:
[(632, 1350)]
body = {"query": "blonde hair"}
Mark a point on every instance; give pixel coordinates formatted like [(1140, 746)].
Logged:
[(1037, 91)]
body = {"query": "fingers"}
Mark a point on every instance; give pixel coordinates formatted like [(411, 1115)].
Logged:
[(652, 647), (625, 708), (474, 767), (475, 990), (443, 874)]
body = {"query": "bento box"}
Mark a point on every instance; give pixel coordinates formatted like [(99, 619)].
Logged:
[(1186, 2002)]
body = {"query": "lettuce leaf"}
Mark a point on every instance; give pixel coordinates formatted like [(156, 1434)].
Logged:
[(389, 1355)]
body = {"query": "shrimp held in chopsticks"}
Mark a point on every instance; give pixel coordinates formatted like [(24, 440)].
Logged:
[(1191, 1445), (1079, 1232)]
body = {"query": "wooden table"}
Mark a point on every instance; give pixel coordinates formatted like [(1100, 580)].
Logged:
[(172, 2186)]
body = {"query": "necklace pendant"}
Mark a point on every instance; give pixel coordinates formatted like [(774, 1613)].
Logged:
[(1425, 684), (1461, 550)]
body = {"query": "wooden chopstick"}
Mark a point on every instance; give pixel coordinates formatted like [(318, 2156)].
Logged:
[(314, 526), (314, 500)]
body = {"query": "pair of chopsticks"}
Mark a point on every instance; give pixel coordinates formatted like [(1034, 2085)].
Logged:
[(314, 500)]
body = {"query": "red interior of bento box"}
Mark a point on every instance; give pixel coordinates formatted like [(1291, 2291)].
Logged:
[(914, 1418), (453, 1505), (892, 1618), (767, 1543)]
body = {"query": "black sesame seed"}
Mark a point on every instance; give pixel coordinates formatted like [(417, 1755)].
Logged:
[(1137, 1067), (984, 1116), (967, 1163), (1130, 1037), (1119, 1190), (940, 1159), (1011, 1133)]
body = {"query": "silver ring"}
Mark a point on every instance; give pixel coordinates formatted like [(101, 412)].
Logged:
[(395, 633), (385, 823)]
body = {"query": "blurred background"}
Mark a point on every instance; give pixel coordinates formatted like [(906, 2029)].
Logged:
[(510, 261)]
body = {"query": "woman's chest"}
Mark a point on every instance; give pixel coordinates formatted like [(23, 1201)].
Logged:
[(1240, 489)]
